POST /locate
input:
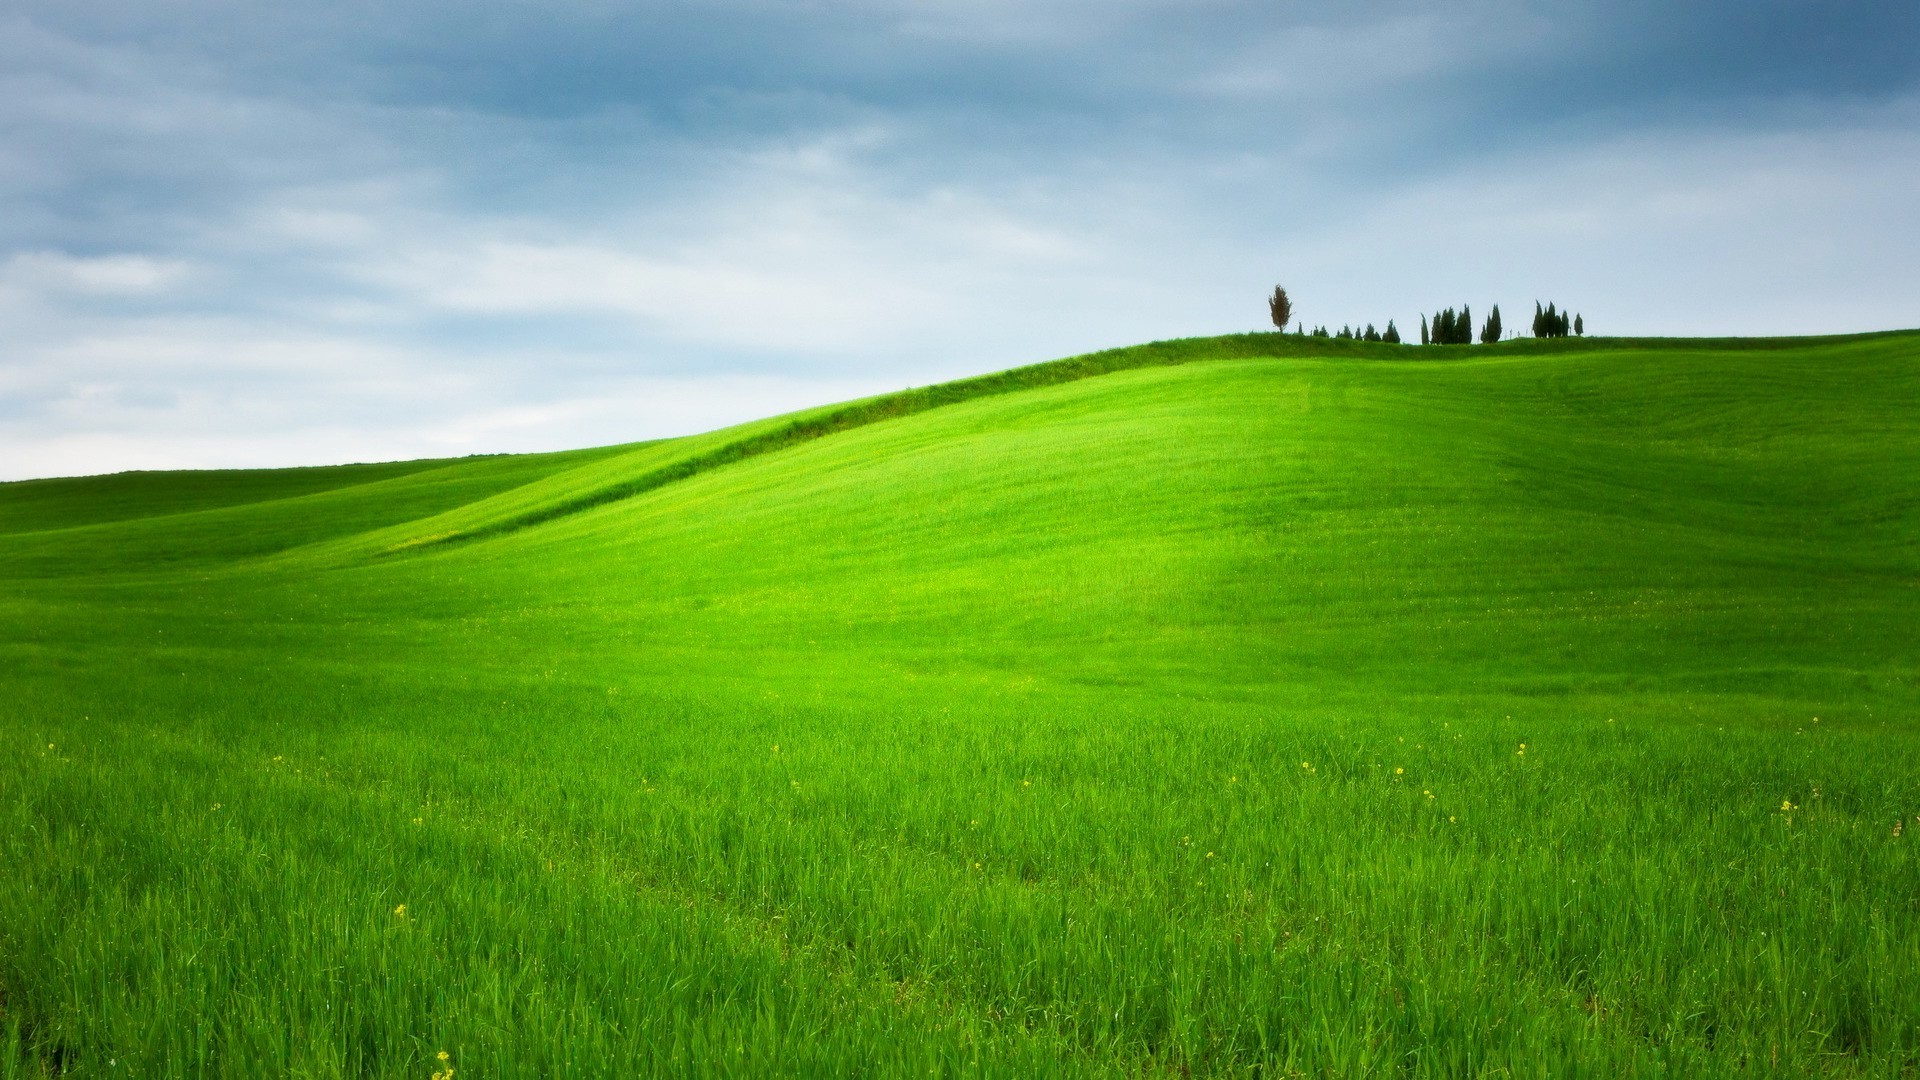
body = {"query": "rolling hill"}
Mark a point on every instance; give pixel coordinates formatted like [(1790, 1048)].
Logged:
[(1236, 706)]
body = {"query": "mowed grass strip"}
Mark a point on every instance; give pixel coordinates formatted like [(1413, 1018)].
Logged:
[(1284, 716)]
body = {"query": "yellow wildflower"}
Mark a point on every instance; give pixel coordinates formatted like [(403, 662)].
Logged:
[(400, 911)]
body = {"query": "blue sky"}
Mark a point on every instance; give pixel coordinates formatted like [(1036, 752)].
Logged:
[(261, 234)]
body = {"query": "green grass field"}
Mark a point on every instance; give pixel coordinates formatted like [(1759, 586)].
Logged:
[(1234, 707)]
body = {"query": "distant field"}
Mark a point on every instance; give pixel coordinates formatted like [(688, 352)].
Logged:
[(1250, 706)]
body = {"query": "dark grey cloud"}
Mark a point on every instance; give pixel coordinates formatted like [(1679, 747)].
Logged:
[(243, 232)]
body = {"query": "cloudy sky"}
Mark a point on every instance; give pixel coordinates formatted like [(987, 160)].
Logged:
[(246, 233)]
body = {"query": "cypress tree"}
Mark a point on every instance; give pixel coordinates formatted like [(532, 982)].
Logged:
[(1372, 334), (1424, 339), (1539, 321), (1280, 308), (1465, 326), (1390, 335), (1552, 321), (1490, 333), (1580, 326)]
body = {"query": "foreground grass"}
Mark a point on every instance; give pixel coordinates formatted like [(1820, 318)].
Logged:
[(1284, 716)]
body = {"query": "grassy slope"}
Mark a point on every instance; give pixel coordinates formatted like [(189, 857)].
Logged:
[(143, 521), (1052, 730)]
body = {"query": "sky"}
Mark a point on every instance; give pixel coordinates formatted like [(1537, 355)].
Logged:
[(237, 234)]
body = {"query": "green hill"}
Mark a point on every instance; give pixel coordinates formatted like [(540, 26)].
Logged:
[(1239, 706)]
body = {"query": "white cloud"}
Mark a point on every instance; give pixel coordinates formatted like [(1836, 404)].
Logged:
[(101, 275)]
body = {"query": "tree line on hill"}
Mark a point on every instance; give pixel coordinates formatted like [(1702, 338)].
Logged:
[(1551, 323), (1391, 335), (1448, 327), (1456, 328)]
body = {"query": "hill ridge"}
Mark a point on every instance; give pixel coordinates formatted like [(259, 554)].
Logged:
[(809, 425)]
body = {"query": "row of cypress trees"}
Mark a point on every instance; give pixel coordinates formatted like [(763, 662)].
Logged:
[(1551, 323), (1448, 327), (1452, 327), (1391, 335)]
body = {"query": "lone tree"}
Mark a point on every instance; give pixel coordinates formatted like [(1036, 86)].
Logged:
[(1280, 307)]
